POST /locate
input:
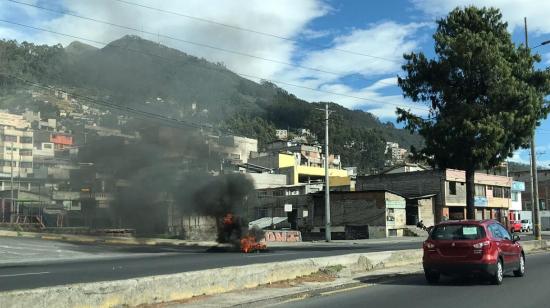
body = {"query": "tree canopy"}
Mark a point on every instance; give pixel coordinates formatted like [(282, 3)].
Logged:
[(484, 93)]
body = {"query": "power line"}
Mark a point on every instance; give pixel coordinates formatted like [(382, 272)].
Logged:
[(134, 111), (336, 93), (204, 45), (252, 30), (207, 67)]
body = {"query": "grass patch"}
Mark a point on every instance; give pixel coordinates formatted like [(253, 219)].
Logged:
[(332, 270)]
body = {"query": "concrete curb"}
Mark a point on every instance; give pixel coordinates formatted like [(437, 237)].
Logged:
[(165, 288), (106, 239)]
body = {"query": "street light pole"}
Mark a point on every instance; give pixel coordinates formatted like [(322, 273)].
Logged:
[(534, 179), (327, 186)]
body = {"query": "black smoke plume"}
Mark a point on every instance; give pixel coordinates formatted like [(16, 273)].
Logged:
[(166, 168)]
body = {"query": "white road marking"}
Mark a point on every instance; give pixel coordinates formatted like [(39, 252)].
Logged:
[(346, 289), (25, 274), (269, 254)]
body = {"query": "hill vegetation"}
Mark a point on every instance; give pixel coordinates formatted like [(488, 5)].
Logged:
[(138, 73)]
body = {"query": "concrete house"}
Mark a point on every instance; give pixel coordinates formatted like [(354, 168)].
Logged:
[(492, 192), (360, 214)]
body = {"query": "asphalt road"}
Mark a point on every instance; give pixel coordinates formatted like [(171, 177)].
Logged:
[(32, 263), (38, 263), (413, 291)]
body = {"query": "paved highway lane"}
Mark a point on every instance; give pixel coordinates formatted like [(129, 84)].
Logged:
[(412, 291), (105, 262)]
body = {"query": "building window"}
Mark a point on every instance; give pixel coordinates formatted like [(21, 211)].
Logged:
[(7, 163), (10, 138), (390, 216), (498, 192), (25, 152), (515, 196), (261, 212), (279, 212), (506, 192), (480, 190), (452, 188), (26, 139), (25, 164), (47, 145)]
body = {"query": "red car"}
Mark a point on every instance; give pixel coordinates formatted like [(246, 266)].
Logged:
[(470, 246), (515, 226)]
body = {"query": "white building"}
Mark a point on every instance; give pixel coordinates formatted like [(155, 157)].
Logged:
[(236, 148), (515, 205), (45, 150), (281, 134), (16, 146)]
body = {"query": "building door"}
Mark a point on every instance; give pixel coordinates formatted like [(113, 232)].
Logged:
[(479, 214), (456, 213), (292, 218), (411, 212)]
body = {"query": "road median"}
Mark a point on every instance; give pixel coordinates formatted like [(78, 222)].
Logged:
[(114, 240)]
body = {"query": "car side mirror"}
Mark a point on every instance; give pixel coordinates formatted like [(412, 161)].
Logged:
[(515, 238)]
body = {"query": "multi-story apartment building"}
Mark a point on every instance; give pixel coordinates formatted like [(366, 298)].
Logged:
[(302, 164), (16, 147)]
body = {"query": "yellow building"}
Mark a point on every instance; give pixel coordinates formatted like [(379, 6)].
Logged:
[(289, 164)]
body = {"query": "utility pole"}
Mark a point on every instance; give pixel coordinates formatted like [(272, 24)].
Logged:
[(534, 175), (18, 178), (12, 205), (327, 186)]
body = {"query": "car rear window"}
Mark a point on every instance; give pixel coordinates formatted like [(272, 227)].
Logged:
[(457, 232), (524, 221)]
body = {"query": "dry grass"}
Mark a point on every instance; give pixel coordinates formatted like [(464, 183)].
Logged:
[(315, 277), (171, 303)]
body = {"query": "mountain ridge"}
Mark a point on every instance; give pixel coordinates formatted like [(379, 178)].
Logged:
[(139, 73)]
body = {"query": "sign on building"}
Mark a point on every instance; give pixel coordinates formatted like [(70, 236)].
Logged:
[(288, 207), (480, 201)]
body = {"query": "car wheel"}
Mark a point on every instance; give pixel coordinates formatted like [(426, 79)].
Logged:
[(432, 277), (498, 275), (521, 268)]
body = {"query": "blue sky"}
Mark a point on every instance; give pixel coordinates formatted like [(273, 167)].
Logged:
[(318, 31)]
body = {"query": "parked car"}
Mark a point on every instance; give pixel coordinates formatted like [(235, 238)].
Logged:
[(471, 246), (515, 226), (526, 225)]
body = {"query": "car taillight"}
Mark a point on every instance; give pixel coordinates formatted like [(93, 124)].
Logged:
[(482, 244), (429, 245)]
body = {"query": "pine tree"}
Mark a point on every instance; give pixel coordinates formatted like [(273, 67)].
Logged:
[(484, 94)]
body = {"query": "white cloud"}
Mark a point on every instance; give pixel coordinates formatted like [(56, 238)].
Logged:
[(383, 83), (287, 18), (513, 11), (520, 157), (388, 40), (315, 34)]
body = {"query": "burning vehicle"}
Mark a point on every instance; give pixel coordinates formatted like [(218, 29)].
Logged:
[(233, 230)]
